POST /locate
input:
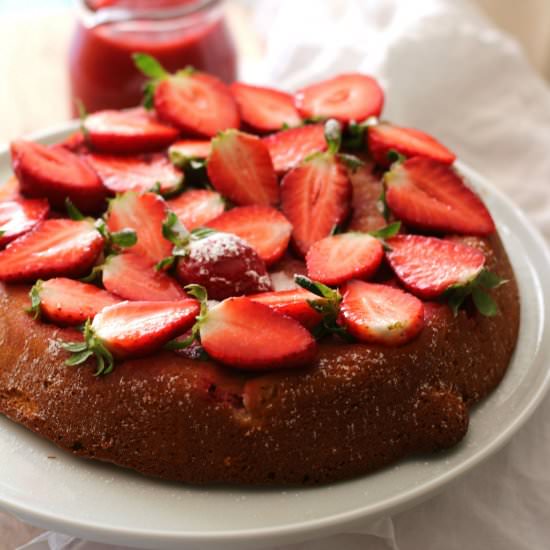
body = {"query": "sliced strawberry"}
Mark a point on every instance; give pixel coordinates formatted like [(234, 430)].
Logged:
[(129, 131), (367, 189), (408, 142), (186, 150), (339, 258), (19, 216), (133, 329), (265, 229), (265, 109), (195, 208), (53, 248), (10, 190), (56, 173), (145, 214), (67, 302), (75, 143), (292, 303), (249, 335), (225, 265), (290, 147), (196, 103), (124, 173), (241, 169), (134, 277), (380, 314), (345, 97), (315, 198), (428, 266), (429, 195)]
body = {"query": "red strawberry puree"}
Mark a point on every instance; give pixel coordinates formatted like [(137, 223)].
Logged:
[(102, 73)]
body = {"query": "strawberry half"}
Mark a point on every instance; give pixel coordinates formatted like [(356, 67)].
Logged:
[(56, 173), (225, 265), (131, 329), (339, 258), (53, 248), (124, 173), (408, 142), (380, 314), (428, 266), (195, 102), (265, 109), (250, 335), (292, 303), (290, 147), (195, 208), (315, 198), (265, 229), (145, 214), (19, 216), (66, 302), (134, 277), (345, 97), (186, 150), (429, 195), (241, 169), (367, 189), (129, 131)]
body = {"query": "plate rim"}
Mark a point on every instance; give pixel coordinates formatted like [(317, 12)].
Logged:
[(328, 523)]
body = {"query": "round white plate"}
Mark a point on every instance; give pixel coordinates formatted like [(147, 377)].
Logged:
[(52, 489)]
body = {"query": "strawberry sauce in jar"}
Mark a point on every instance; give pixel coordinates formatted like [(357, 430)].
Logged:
[(177, 32)]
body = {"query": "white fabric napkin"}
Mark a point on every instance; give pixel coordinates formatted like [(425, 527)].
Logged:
[(448, 71)]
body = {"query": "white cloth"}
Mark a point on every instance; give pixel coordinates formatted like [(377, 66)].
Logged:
[(447, 71)]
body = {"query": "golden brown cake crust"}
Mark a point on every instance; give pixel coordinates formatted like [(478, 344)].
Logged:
[(360, 407)]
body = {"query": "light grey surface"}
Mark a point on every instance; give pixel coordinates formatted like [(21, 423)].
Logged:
[(103, 503)]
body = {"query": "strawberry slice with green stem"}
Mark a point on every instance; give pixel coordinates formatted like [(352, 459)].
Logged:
[(262, 227), (385, 137), (345, 97), (339, 258), (315, 196), (133, 277), (19, 216), (128, 131), (380, 314), (131, 329), (265, 109), (132, 173), (192, 101), (289, 148), (431, 196), (185, 151), (67, 302), (249, 335), (54, 248), (241, 169)]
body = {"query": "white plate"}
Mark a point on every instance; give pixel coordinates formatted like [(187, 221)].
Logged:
[(108, 504)]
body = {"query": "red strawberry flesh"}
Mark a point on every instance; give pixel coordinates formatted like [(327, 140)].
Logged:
[(290, 147), (134, 277), (57, 174), (197, 207), (54, 248), (431, 196), (339, 258), (19, 216), (68, 302), (249, 335), (428, 266), (265, 109), (380, 314), (345, 97), (265, 229), (188, 149)]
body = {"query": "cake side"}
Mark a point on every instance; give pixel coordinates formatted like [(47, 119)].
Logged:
[(357, 408)]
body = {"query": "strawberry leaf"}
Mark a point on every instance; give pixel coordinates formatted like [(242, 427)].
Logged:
[(484, 303), (79, 358), (149, 66), (165, 264), (73, 212), (198, 292), (124, 238), (383, 205), (386, 232), (395, 157), (351, 161), (82, 115), (173, 230), (333, 135), (34, 295)]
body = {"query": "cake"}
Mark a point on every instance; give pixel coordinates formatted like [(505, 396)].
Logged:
[(210, 290)]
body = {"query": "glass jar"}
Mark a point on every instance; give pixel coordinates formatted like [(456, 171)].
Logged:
[(176, 32)]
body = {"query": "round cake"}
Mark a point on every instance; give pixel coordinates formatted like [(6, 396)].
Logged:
[(257, 304)]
